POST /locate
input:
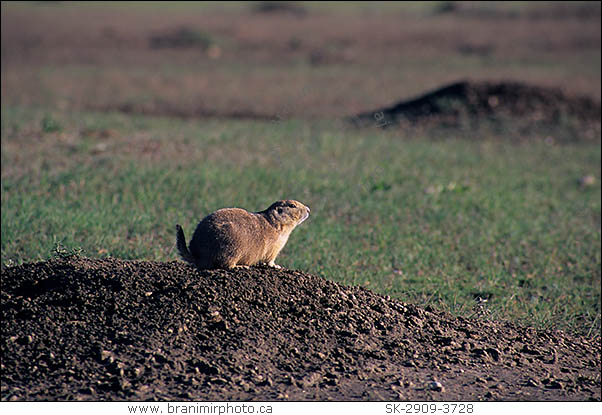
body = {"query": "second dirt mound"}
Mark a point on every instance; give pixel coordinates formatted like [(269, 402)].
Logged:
[(470, 102), (84, 329)]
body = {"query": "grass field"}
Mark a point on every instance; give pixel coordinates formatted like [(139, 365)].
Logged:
[(409, 214), (438, 222)]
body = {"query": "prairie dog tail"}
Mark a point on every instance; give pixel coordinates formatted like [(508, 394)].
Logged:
[(181, 245)]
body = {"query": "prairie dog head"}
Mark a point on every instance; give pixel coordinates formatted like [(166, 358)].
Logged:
[(286, 213)]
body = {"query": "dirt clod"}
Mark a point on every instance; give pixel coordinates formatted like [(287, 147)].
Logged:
[(86, 329)]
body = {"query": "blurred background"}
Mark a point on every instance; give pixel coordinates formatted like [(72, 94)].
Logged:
[(121, 119), (305, 59)]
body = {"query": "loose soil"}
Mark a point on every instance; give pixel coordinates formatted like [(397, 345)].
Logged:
[(85, 329), (465, 102)]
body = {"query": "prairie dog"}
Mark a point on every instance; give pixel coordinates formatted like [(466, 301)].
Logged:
[(233, 237)]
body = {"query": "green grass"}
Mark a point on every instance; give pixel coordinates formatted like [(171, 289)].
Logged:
[(438, 222)]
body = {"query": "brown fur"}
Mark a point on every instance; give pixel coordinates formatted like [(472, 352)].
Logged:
[(235, 237)]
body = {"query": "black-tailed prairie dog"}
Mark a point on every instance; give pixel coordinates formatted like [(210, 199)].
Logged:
[(233, 237)]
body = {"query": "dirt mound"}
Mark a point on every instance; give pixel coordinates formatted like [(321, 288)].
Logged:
[(77, 328), (279, 7), (462, 102), (183, 37)]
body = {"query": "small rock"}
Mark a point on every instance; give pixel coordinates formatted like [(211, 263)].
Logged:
[(106, 355), (436, 386)]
